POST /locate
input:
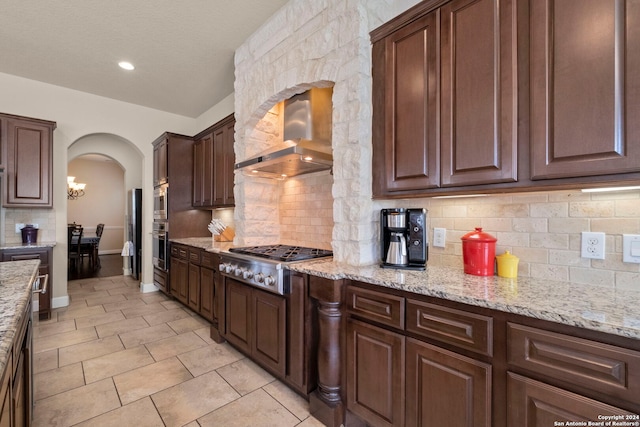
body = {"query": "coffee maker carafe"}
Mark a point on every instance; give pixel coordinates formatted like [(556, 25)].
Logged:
[(403, 238)]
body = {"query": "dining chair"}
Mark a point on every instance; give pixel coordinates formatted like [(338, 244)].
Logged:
[(74, 238)]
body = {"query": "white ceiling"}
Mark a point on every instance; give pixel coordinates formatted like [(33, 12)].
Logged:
[(183, 50)]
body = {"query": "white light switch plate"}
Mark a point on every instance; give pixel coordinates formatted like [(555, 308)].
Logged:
[(631, 248), (19, 227), (439, 237), (592, 245)]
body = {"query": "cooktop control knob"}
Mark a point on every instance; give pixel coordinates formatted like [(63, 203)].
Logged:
[(222, 267), (269, 281), (247, 274), (238, 271), (259, 277)]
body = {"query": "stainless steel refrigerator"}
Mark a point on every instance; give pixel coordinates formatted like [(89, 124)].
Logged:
[(135, 230)]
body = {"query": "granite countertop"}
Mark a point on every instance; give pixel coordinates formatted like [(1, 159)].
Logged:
[(205, 243), (25, 246), (591, 307), (597, 308), (15, 292)]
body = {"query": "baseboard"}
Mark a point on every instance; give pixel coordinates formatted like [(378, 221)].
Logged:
[(58, 302), (148, 287), (109, 251)]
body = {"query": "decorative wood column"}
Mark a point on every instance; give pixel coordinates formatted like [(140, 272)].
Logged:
[(326, 402)]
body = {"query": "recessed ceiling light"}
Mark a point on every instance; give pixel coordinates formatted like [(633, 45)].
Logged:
[(126, 65)]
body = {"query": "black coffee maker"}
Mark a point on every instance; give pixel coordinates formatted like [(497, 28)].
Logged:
[(403, 238)]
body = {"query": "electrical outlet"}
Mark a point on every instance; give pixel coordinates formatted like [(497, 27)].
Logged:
[(19, 227), (439, 237), (592, 245)]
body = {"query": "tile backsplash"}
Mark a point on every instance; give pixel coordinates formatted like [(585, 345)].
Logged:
[(45, 218), (544, 231)]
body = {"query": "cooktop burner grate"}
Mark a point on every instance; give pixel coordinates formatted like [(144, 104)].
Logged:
[(284, 253)]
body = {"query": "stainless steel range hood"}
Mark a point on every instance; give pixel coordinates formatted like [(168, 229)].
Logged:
[(307, 139)]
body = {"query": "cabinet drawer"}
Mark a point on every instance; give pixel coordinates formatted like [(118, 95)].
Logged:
[(601, 367), (194, 256), (22, 255), (179, 251), (160, 279), (376, 306), (450, 326), (209, 260)]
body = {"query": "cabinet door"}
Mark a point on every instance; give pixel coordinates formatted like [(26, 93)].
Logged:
[(203, 172), (5, 396), (28, 164), (437, 379), (479, 92), (269, 339), (534, 404), (160, 159), (207, 291), (375, 374), (410, 154), (180, 280), (238, 315), (585, 88), (194, 288), (224, 159)]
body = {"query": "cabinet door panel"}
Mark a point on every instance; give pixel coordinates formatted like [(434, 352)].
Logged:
[(29, 163), (238, 315), (534, 404), (207, 290), (269, 316), (585, 84), (437, 379), (180, 280), (375, 374), (411, 120), (479, 92)]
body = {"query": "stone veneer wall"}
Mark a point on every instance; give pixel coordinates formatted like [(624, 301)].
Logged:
[(326, 42), (306, 44)]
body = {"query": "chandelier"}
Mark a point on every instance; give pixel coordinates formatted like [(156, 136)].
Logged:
[(74, 189)]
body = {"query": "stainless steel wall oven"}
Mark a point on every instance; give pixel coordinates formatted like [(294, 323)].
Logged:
[(160, 244)]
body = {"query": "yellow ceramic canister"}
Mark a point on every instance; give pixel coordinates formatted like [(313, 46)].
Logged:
[(507, 265)]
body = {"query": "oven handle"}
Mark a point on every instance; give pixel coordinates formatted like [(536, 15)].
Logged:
[(41, 290)]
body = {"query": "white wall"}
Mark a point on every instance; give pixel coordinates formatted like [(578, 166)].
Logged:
[(78, 115)]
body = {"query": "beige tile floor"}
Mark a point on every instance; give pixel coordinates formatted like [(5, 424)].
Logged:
[(116, 357)]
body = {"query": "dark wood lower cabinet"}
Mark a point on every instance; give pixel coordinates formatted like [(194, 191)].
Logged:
[(180, 280), (255, 324), (375, 374), (193, 296), (531, 403), (45, 255), (445, 388), (207, 293)]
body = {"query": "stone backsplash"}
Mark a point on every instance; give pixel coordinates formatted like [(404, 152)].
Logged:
[(45, 218)]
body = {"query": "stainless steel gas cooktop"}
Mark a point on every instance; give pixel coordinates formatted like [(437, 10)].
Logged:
[(283, 253), (265, 266)]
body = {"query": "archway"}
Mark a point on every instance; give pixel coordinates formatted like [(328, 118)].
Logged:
[(110, 166)]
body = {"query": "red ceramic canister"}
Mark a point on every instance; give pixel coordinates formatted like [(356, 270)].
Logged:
[(479, 252)]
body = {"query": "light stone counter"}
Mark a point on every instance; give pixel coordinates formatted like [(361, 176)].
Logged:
[(16, 279), (205, 243), (585, 306), (25, 246)]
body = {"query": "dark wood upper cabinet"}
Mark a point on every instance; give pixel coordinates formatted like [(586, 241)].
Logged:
[(486, 96), (160, 162), (408, 149), (479, 137), (27, 154), (203, 168), (585, 88), (213, 163), (445, 99)]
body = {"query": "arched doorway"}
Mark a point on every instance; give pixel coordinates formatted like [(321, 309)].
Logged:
[(101, 202), (110, 166)]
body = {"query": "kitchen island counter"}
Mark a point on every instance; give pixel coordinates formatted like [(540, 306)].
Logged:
[(16, 279), (28, 246), (598, 308)]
